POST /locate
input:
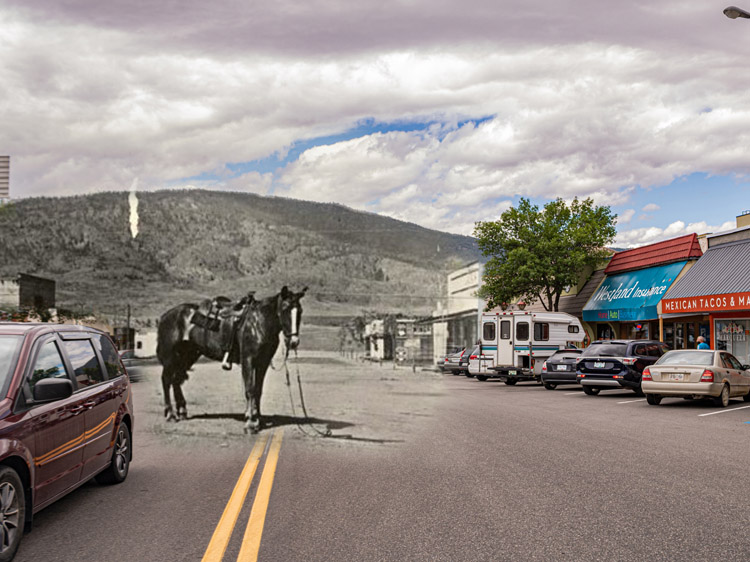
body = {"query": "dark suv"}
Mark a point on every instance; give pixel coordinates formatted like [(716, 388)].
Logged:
[(66, 416), (616, 364)]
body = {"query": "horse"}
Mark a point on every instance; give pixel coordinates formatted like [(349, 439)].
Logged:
[(254, 341)]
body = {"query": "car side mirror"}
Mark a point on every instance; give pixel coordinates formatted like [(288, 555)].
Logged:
[(746, 367), (48, 390)]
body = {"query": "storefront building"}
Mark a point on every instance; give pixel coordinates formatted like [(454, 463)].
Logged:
[(625, 305), (718, 290)]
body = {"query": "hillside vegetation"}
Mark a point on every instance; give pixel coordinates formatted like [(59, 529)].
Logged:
[(197, 243)]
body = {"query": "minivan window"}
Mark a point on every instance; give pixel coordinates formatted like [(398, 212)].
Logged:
[(109, 355), (522, 331), (488, 331), (606, 350), (505, 329), (48, 364), (9, 346), (565, 354), (85, 364)]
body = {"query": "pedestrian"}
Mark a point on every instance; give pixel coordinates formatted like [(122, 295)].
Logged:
[(702, 343)]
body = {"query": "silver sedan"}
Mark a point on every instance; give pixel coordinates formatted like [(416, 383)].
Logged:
[(696, 373)]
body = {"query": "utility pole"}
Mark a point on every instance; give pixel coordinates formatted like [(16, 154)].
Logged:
[(127, 330)]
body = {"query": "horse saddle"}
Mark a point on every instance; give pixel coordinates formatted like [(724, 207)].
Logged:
[(212, 313)]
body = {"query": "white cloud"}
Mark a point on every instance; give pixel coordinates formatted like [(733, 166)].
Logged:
[(651, 207), (96, 94), (643, 236), (626, 216)]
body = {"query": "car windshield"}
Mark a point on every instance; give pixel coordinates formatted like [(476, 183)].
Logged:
[(8, 348), (688, 357), (566, 354), (605, 350)]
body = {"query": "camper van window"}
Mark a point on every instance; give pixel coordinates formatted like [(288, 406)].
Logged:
[(541, 331), (572, 329), (505, 330), (522, 331), (488, 331)]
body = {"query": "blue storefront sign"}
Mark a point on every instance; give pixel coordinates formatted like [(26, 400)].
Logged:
[(631, 296)]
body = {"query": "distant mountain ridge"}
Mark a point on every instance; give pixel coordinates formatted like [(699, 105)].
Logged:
[(197, 243)]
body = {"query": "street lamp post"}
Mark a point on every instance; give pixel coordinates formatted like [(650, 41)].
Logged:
[(734, 12)]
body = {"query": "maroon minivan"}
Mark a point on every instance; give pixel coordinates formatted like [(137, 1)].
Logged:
[(66, 416)]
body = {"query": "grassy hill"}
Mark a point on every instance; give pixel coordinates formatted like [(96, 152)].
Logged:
[(198, 243)]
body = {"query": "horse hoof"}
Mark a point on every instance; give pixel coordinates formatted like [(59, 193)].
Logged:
[(252, 426)]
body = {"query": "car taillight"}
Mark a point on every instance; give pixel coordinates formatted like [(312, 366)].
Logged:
[(544, 367), (646, 376), (473, 356), (707, 376), (629, 360)]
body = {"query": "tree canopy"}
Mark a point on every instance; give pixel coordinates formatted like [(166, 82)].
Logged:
[(537, 254)]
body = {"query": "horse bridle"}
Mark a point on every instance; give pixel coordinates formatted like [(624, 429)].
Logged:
[(295, 328)]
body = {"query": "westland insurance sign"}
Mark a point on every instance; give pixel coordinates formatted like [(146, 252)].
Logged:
[(631, 296)]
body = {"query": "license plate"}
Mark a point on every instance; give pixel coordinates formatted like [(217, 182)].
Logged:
[(512, 373), (562, 367), (676, 376), (599, 364)]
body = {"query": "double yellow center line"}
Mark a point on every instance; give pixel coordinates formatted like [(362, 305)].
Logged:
[(251, 540)]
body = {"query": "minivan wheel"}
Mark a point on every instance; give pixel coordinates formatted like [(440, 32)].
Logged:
[(746, 398), (117, 470), (722, 401), (590, 391), (653, 399), (550, 385), (12, 512)]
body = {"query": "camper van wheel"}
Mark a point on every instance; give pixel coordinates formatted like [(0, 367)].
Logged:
[(550, 385), (481, 378), (510, 382)]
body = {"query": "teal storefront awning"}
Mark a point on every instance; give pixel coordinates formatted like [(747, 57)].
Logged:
[(631, 296)]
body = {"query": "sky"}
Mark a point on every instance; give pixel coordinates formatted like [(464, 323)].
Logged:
[(430, 111)]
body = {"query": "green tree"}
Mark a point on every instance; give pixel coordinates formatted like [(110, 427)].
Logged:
[(536, 255)]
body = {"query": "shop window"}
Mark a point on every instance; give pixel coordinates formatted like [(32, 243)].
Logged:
[(732, 336), (541, 331), (489, 332), (679, 335), (505, 330), (604, 332), (522, 331)]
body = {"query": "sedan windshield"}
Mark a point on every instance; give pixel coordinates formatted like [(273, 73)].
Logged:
[(605, 350), (687, 357), (8, 347)]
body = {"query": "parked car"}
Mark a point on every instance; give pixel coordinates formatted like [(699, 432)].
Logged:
[(451, 362), (616, 364), (697, 373), (473, 359), (66, 417), (560, 368)]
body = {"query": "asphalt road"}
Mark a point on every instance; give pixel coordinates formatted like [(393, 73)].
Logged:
[(419, 466)]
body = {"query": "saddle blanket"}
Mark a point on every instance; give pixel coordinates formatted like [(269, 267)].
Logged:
[(203, 321)]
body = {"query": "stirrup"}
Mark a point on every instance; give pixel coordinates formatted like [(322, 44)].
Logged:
[(225, 364)]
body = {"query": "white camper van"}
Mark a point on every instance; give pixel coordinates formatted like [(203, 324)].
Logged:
[(514, 345)]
